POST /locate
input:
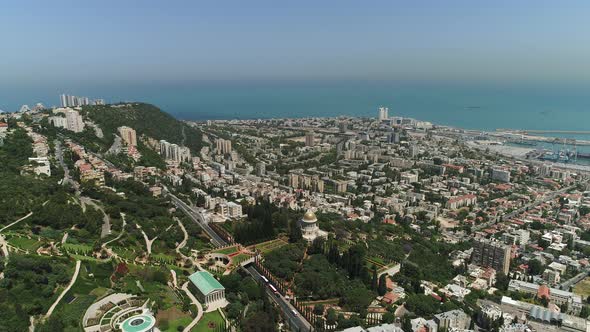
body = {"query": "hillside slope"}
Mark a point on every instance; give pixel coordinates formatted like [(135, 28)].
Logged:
[(147, 120)]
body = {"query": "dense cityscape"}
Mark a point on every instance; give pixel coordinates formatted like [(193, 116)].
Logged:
[(119, 217)]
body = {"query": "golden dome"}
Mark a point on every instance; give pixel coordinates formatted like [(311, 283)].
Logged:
[(309, 216)]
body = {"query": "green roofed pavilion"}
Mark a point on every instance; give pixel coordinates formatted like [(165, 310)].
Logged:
[(205, 282), (208, 290)]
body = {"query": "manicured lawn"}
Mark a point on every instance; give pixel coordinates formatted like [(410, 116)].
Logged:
[(269, 246), (211, 317), (173, 327), (25, 243), (583, 288), (174, 318), (239, 258), (227, 251), (377, 261)]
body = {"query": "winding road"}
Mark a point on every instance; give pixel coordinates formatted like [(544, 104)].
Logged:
[(195, 302), (67, 289), (16, 222)]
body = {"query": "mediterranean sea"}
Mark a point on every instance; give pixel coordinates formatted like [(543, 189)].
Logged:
[(471, 106)]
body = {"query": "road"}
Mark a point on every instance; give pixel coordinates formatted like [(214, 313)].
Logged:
[(120, 234), (106, 219), (184, 240), (295, 320), (196, 303), (199, 219), (16, 222), (60, 157), (67, 289)]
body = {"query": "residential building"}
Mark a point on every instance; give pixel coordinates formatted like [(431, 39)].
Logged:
[(74, 121), (552, 277), (309, 138), (73, 101), (461, 201), (41, 165), (234, 209), (260, 169), (223, 146), (174, 152), (58, 121), (413, 151), (409, 177), (500, 175), (454, 319), (491, 253), (128, 135)]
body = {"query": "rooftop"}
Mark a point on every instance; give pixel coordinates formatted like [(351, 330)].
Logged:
[(205, 282)]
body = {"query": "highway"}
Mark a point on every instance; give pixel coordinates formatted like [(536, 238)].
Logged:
[(294, 319), (199, 219)]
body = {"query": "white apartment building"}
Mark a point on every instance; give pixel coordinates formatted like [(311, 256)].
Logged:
[(128, 135), (74, 121)]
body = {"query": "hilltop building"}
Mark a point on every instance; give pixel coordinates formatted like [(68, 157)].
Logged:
[(128, 135)]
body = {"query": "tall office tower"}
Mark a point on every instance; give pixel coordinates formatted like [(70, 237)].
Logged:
[(63, 99), (128, 135), (383, 113), (74, 121), (223, 146), (71, 101), (309, 138), (491, 253), (83, 101)]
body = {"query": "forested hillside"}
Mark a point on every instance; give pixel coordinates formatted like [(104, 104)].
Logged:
[(146, 119)]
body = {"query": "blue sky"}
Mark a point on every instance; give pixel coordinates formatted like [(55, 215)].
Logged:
[(129, 42)]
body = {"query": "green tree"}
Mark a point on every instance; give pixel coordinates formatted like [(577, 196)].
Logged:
[(318, 309), (331, 316), (295, 234), (382, 289), (374, 280)]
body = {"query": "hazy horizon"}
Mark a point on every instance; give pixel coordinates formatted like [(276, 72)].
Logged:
[(88, 48)]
